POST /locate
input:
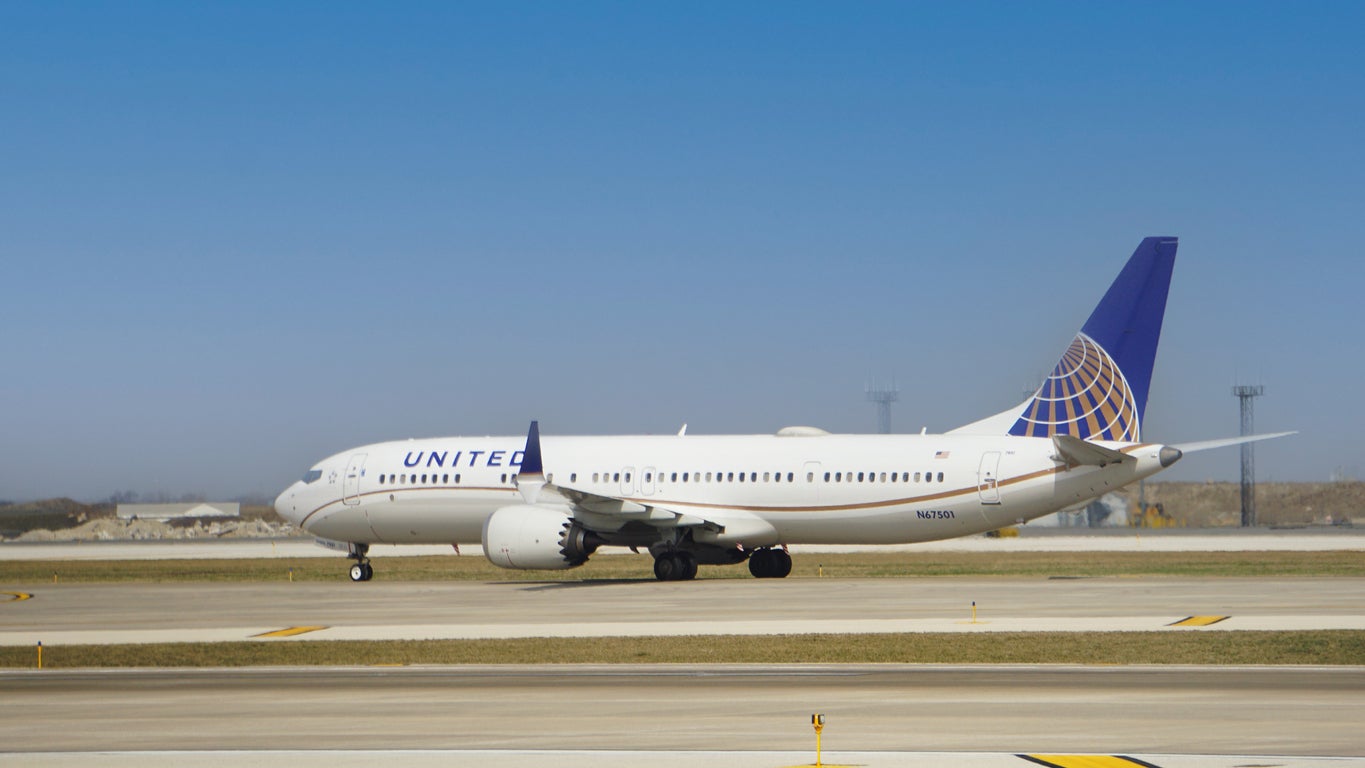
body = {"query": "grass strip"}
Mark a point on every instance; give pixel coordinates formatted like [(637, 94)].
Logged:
[(474, 567), (1322, 647)]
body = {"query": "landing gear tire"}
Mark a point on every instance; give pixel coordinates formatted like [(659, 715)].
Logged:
[(689, 566), (675, 566), (362, 572), (770, 564)]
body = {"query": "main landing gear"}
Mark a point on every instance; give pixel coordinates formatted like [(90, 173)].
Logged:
[(675, 565), (770, 563), (362, 570)]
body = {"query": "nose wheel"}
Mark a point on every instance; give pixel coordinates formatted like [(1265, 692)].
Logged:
[(362, 571)]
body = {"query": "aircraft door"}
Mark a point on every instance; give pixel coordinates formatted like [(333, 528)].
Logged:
[(350, 482), (988, 478)]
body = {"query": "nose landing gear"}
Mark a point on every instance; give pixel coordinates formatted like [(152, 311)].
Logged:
[(362, 570)]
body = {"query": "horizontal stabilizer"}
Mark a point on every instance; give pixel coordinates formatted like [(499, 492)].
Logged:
[(1209, 445), (1076, 451)]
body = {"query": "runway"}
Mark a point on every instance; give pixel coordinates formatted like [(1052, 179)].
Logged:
[(1030, 539), (891, 715), (69, 614), (896, 716)]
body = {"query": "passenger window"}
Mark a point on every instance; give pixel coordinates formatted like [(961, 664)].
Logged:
[(860, 477), (673, 478), (917, 477), (940, 477), (617, 476), (573, 477), (808, 474), (838, 477), (381, 479), (404, 478), (730, 478), (766, 477), (883, 477), (741, 477), (457, 479)]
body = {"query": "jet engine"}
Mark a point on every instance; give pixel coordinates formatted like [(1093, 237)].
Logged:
[(534, 537)]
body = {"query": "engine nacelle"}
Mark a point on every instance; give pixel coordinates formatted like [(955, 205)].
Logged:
[(535, 537)]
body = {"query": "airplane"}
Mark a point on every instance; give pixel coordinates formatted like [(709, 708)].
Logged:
[(550, 502)]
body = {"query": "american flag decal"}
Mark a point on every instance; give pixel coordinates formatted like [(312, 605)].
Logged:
[(941, 454)]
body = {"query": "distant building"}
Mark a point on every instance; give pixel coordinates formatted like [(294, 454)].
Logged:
[(174, 511)]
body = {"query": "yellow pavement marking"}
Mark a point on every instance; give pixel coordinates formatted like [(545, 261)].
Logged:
[(289, 631), (1087, 761), (1198, 621), (16, 596)]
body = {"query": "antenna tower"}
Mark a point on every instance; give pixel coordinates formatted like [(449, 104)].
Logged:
[(883, 397), (1247, 395)]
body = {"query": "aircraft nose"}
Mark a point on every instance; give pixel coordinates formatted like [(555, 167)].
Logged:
[(285, 505)]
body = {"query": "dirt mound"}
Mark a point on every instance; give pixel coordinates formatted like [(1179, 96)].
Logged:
[(1204, 505), (111, 529)]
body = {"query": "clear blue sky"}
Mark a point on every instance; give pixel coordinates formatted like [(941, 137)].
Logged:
[(237, 238)]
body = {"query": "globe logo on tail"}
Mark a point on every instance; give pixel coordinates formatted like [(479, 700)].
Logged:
[(1086, 396)]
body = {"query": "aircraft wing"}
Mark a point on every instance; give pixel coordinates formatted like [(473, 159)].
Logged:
[(601, 512), (619, 510), (711, 525)]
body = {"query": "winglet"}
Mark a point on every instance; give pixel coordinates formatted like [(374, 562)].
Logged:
[(531, 478), (530, 460)]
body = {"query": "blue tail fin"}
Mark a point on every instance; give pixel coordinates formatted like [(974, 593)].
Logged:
[(1098, 391)]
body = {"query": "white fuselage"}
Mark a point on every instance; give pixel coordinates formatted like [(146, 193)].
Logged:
[(764, 490)]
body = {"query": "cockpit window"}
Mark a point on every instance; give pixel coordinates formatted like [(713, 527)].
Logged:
[(311, 475)]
